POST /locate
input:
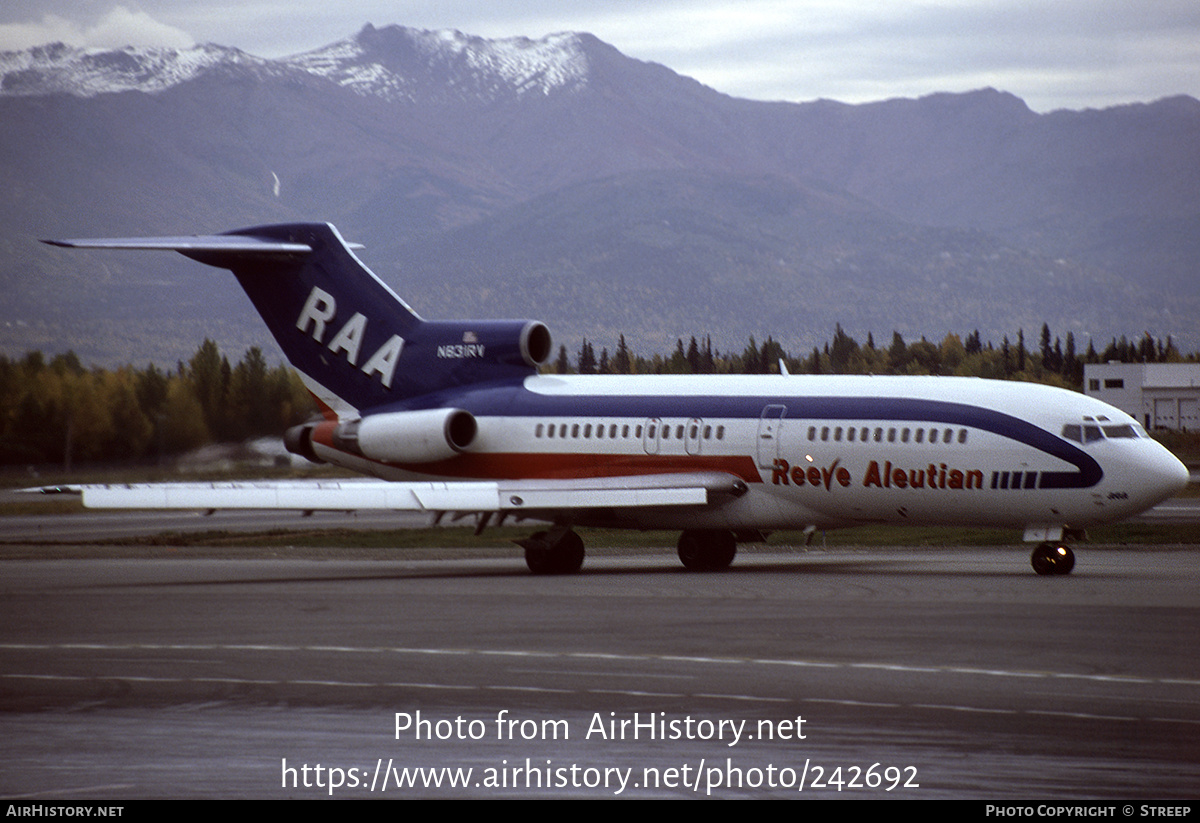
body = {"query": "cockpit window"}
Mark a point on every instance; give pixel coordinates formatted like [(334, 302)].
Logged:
[(1088, 433), (1091, 432)]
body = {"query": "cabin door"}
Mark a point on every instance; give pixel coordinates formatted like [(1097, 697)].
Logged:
[(770, 429)]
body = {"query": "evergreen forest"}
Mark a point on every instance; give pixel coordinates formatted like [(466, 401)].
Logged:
[(57, 411)]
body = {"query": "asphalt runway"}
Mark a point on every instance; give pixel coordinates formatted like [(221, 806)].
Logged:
[(930, 673)]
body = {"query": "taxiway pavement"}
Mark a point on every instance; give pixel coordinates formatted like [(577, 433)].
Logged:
[(957, 671)]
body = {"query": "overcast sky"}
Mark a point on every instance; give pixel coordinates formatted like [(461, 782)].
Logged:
[(1053, 53)]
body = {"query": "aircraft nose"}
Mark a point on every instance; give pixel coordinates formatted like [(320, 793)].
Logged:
[(1165, 475)]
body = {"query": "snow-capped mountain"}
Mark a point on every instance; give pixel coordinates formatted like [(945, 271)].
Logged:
[(395, 63), (61, 69), (405, 64)]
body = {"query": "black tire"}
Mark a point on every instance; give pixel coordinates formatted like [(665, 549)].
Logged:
[(564, 557), (706, 551), (1052, 559), (1066, 560), (569, 554)]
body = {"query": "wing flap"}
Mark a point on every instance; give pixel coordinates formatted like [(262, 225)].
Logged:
[(325, 496), (559, 499)]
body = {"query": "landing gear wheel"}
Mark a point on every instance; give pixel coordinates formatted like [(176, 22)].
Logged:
[(569, 551), (707, 551), (1052, 558), (545, 557)]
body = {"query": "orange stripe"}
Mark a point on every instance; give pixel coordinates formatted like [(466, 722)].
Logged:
[(558, 466), (518, 466), (324, 408)]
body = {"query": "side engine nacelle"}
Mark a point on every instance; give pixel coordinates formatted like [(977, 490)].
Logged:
[(391, 437)]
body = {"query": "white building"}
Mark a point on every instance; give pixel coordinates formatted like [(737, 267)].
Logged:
[(1159, 395)]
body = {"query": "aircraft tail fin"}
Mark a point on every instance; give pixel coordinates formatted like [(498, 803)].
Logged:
[(355, 341)]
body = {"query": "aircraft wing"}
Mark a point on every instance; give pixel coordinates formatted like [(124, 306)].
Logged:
[(500, 497)]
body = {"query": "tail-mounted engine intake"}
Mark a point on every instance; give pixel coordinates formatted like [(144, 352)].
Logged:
[(522, 343), (534, 343)]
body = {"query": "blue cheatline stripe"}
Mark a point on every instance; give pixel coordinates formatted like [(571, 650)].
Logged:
[(512, 400)]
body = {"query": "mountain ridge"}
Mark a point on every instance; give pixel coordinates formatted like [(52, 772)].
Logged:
[(379, 62), (484, 175)]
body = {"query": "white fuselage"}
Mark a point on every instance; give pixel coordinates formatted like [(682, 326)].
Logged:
[(818, 451)]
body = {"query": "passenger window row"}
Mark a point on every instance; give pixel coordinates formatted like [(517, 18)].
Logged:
[(615, 431), (891, 434)]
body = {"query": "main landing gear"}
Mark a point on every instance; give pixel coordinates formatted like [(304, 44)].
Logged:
[(1052, 558), (558, 551), (703, 550)]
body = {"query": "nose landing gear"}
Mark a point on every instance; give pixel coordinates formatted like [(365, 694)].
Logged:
[(1052, 558)]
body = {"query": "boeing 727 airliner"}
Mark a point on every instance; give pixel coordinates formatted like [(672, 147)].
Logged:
[(453, 417)]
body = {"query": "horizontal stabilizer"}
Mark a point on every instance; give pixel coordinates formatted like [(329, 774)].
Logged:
[(239, 244), (221, 250)]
